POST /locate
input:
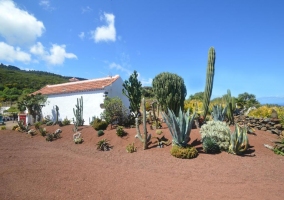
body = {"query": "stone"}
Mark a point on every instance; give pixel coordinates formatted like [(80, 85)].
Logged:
[(263, 128), (274, 114)]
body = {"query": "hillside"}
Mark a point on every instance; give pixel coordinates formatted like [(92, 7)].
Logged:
[(14, 81)]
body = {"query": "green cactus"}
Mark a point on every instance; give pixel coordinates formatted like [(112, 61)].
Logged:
[(210, 145), (78, 112), (179, 127), (239, 140), (147, 137), (209, 81), (230, 103), (219, 113), (57, 113)]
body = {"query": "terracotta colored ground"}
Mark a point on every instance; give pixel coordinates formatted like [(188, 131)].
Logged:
[(31, 168)]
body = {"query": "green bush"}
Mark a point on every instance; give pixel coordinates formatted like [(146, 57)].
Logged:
[(37, 125), (66, 122), (3, 127), (99, 124), (100, 133), (119, 131)]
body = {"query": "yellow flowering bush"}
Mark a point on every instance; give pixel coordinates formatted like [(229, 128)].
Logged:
[(193, 105), (265, 111)]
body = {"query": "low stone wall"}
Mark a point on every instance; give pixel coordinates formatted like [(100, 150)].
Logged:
[(264, 124)]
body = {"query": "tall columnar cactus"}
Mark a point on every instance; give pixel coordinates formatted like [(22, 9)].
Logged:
[(147, 137), (180, 127), (230, 102), (78, 112), (209, 81)]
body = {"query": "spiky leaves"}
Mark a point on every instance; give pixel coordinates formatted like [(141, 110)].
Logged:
[(210, 145), (219, 113), (209, 81), (239, 140), (132, 89), (180, 127), (170, 91)]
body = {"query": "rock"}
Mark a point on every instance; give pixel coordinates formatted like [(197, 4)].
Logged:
[(275, 131), (278, 126), (263, 128), (274, 114)]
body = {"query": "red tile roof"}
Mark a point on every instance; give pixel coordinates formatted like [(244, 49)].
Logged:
[(78, 86)]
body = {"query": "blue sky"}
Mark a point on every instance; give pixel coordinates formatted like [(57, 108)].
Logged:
[(97, 38)]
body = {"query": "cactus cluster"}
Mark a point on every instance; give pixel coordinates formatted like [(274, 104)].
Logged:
[(180, 127), (187, 152), (78, 113)]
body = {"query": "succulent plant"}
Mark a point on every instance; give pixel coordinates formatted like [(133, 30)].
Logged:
[(218, 130), (239, 140), (219, 113), (210, 145), (78, 140), (180, 127), (119, 131), (130, 148), (103, 145), (187, 152), (100, 133)]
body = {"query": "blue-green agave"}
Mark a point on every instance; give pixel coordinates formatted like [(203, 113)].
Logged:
[(219, 113), (180, 127)]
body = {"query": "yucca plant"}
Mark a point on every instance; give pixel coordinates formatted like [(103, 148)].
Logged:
[(180, 127), (239, 140), (219, 113)]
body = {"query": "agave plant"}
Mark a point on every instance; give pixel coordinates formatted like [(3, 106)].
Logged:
[(219, 113), (239, 140), (180, 127)]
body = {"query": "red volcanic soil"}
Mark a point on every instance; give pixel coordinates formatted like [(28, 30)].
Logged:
[(31, 168)]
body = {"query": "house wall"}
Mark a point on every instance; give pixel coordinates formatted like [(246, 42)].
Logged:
[(91, 102)]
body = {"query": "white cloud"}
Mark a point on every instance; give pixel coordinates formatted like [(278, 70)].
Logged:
[(86, 9), (107, 32), (120, 68), (56, 55), (82, 35), (18, 26), (46, 5), (11, 54)]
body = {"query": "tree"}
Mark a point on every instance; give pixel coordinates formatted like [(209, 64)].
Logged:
[(170, 91), (148, 92), (114, 111), (33, 103), (246, 99), (197, 96), (132, 89)]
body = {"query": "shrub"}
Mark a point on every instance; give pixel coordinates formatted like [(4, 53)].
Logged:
[(100, 133), (184, 152), (103, 145), (15, 127), (78, 140), (49, 123), (266, 111), (66, 122), (119, 131), (42, 131), (37, 125), (3, 127), (99, 124), (49, 137)]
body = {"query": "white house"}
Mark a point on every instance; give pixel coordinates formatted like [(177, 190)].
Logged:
[(93, 92)]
